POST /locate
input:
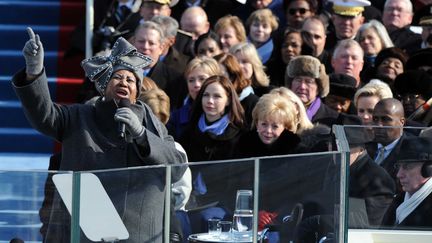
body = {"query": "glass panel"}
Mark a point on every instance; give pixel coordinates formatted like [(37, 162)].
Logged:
[(386, 165), (28, 203), (302, 193)]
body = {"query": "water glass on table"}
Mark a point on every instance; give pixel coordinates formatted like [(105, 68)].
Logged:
[(225, 230), (243, 216), (213, 227)]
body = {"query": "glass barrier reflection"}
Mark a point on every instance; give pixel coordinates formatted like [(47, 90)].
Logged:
[(389, 186), (28, 205)]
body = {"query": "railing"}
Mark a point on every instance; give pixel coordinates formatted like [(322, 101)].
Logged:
[(120, 203)]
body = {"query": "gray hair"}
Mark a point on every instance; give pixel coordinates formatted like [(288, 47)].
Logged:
[(379, 29), (345, 44), (169, 24), (153, 26), (408, 4)]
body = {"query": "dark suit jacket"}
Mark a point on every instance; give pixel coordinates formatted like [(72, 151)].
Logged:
[(176, 60), (406, 40), (170, 81), (419, 219), (370, 182), (390, 160)]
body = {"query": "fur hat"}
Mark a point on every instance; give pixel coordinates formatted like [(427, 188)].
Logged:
[(422, 57), (342, 85), (414, 82), (310, 67), (391, 52)]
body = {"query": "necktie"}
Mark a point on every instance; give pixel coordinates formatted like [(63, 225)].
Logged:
[(121, 13), (380, 156)]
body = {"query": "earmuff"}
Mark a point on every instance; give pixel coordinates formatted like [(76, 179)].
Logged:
[(426, 170)]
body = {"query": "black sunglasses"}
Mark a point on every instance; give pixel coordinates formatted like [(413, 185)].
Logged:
[(293, 11)]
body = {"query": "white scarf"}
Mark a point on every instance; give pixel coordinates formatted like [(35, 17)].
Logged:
[(411, 203)]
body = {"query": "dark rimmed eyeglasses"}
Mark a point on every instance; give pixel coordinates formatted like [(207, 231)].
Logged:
[(302, 11)]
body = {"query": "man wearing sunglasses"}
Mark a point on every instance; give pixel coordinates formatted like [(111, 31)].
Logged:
[(296, 11), (347, 17), (413, 206)]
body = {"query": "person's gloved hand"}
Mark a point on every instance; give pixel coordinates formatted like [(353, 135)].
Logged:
[(33, 54), (133, 124), (265, 218)]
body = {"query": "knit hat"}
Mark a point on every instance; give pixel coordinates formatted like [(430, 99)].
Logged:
[(391, 52), (414, 82), (124, 56), (342, 85), (310, 67)]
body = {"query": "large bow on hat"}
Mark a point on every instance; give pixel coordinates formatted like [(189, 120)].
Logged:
[(99, 69)]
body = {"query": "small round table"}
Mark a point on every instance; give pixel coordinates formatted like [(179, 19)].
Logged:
[(207, 238)]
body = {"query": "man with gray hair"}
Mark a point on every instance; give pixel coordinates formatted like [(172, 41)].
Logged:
[(348, 59), (170, 55), (397, 17), (149, 39)]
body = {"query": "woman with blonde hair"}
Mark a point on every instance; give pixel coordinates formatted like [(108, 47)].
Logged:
[(302, 122), (252, 67), (261, 24), (368, 96), (197, 71), (274, 119), (231, 31)]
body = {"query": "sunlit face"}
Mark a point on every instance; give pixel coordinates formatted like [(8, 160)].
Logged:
[(122, 85), (245, 65), (291, 46), (370, 42), (338, 103), (316, 36), (365, 107), (349, 61), (209, 48), (260, 4), (306, 88), (390, 68), (214, 101), (148, 42), (409, 176), (396, 15), (297, 12), (260, 32), (197, 26), (346, 27), (150, 9), (269, 129), (228, 38), (195, 79)]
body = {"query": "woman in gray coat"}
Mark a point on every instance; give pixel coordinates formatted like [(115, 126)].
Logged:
[(90, 137)]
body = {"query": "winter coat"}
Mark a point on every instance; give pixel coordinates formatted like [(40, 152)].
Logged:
[(90, 141)]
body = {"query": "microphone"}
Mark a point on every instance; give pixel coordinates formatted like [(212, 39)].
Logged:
[(121, 126), (421, 110)]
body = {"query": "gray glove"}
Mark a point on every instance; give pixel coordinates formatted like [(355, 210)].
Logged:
[(33, 53), (133, 124)]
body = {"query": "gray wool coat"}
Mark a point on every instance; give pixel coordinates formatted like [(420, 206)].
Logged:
[(89, 138)]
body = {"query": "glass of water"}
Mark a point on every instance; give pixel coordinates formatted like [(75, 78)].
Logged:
[(243, 216)]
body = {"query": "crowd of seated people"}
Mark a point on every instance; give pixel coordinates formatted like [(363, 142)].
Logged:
[(266, 78)]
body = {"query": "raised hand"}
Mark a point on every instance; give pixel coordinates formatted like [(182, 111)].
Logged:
[(33, 53), (133, 124)]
